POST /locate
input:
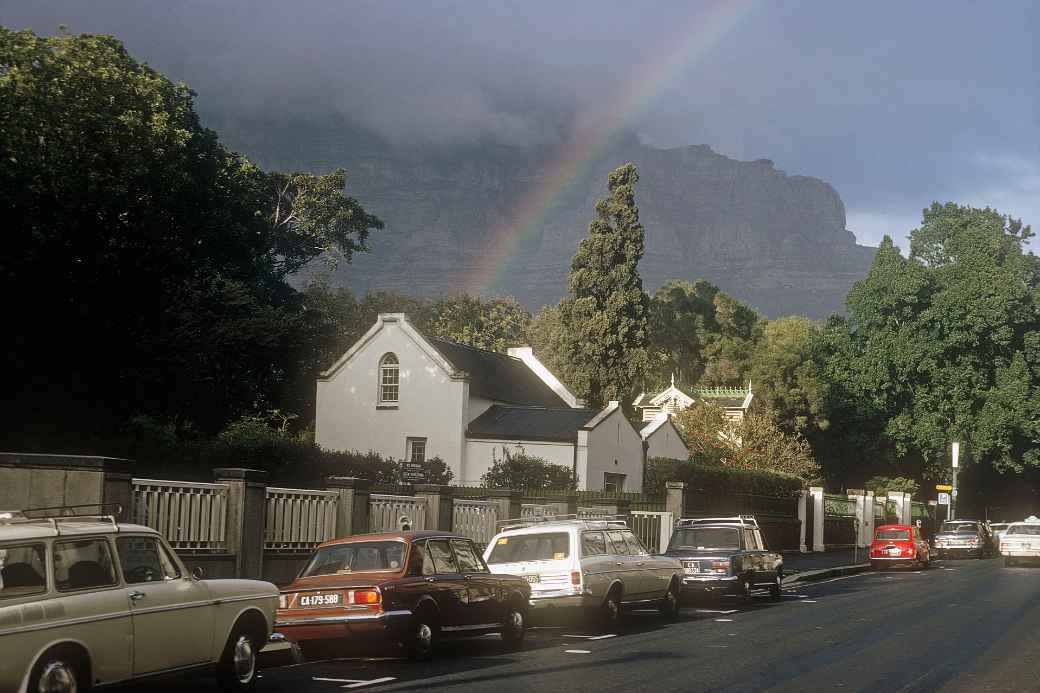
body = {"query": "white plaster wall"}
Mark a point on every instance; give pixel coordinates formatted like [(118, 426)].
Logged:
[(613, 439), (480, 454), (666, 442), (431, 405)]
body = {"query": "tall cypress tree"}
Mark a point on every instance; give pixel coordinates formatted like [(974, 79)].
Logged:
[(606, 340)]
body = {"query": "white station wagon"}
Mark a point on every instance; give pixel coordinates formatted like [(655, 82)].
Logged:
[(86, 601), (591, 565)]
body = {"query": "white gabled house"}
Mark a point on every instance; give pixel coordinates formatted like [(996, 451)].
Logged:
[(735, 401), (663, 439), (406, 395)]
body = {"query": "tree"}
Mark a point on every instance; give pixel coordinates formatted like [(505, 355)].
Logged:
[(494, 324), (705, 430), (880, 484), (785, 374), (942, 345), (518, 470), (700, 335), (606, 338), (145, 263)]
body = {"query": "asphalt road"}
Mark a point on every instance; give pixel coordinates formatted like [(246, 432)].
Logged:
[(961, 626)]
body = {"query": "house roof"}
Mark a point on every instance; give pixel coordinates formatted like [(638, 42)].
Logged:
[(497, 376), (655, 423), (556, 424)]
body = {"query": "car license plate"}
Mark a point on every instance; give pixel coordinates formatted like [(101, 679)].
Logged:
[(893, 552), (312, 601), (692, 567), (532, 578)]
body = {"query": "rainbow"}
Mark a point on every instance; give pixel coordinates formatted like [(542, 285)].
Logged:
[(701, 33)]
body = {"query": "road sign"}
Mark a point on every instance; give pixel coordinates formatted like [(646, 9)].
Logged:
[(413, 472), (944, 499), (943, 487)]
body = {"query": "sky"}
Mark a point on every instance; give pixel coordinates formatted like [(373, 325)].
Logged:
[(894, 104)]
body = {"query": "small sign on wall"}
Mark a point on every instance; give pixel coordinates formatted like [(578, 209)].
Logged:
[(944, 499)]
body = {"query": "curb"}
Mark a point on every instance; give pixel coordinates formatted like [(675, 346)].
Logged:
[(836, 571)]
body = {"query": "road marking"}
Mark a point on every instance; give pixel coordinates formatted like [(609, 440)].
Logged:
[(578, 651), (806, 601), (716, 611), (592, 637), (799, 596), (724, 620), (355, 683)]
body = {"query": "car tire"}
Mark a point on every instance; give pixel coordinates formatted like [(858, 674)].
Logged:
[(58, 671), (237, 668), (776, 589), (669, 607), (746, 588), (423, 634), (514, 630), (610, 612)]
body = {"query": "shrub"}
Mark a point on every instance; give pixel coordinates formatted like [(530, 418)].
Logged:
[(518, 470), (718, 479)]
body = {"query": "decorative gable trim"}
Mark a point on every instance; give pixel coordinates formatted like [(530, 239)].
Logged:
[(408, 330)]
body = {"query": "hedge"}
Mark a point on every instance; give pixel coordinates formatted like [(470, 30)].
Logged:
[(718, 479)]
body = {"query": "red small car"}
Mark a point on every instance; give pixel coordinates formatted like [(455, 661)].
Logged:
[(898, 545)]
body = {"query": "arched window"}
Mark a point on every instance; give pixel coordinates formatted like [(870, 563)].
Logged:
[(389, 379)]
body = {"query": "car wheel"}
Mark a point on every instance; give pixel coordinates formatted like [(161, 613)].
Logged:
[(610, 612), (58, 672), (775, 590), (422, 635), (515, 628), (237, 668), (669, 607), (745, 588)]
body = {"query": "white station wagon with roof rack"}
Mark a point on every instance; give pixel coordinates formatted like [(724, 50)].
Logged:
[(87, 601), (595, 565)]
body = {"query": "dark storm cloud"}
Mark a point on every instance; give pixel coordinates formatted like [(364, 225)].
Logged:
[(895, 105)]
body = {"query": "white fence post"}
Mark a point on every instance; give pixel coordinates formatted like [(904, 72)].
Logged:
[(816, 496), (803, 518)]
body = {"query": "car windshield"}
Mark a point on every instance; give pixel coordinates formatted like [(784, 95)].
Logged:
[(342, 559), (893, 535), (550, 546), (959, 527), (1033, 530), (706, 538)]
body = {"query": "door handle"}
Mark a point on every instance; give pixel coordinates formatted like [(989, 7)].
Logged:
[(430, 579), (619, 563), (137, 596), (639, 565)]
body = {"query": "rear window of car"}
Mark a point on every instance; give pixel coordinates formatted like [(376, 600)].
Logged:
[(706, 538), (550, 546), (356, 557), (1033, 530), (959, 527), (892, 535), (23, 570)]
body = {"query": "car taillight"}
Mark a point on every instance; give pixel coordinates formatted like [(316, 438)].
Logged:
[(283, 602), (720, 566), (576, 578), (366, 597)]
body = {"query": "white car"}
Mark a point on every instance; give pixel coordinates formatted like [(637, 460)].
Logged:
[(997, 529), (590, 565), (86, 601), (1020, 540)]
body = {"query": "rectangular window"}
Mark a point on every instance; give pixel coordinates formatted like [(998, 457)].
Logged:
[(593, 544), (416, 452), (22, 570), (469, 560), (619, 547), (144, 560), (443, 559), (613, 483), (554, 546), (389, 382), (83, 564)]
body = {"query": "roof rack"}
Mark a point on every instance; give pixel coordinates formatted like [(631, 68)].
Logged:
[(105, 512), (587, 522), (743, 520)]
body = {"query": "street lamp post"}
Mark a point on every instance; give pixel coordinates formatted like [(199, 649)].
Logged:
[(955, 454)]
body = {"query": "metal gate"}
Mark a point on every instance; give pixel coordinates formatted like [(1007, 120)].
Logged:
[(654, 529), (475, 519), (389, 513)]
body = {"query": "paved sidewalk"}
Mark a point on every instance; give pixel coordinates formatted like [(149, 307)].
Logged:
[(823, 560)]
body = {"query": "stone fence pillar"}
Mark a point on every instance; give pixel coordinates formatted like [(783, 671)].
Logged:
[(246, 517), (675, 499), (38, 481), (352, 507), (803, 518), (864, 516), (816, 498), (439, 508)]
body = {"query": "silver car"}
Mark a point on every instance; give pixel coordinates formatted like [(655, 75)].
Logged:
[(87, 601), (598, 567)]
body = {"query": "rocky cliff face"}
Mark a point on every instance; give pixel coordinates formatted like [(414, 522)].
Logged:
[(776, 241)]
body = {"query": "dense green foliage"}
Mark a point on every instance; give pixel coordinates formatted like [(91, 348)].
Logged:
[(518, 470), (880, 484), (717, 479), (605, 343)]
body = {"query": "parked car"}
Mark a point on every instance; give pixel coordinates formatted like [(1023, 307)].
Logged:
[(725, 556), (965, 538), (895, 545), (996, 530), (590, 567), (87, 601), (409, 588), (1021, 541)]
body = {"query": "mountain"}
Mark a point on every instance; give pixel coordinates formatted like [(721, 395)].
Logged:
[(774, 240)]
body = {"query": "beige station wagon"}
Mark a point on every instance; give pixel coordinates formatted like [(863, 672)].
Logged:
[(86, 601)]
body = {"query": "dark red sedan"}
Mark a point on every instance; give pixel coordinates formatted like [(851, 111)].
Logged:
[(899, 545), (410, 588)]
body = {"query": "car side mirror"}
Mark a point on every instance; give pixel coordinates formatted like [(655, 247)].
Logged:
[(198, 573)]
